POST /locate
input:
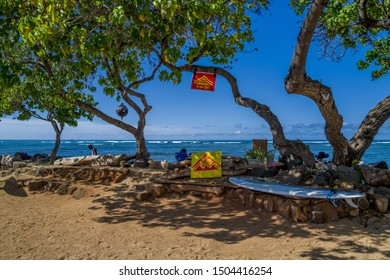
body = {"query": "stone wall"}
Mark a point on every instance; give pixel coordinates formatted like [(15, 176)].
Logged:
[(164, 178)]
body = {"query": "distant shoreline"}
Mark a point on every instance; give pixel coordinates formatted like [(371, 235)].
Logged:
[(163, 149), (173, 139)]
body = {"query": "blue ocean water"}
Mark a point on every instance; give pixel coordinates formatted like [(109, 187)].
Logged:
[(165, 149)]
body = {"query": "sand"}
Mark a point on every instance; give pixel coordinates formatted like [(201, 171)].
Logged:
[(107, 225)]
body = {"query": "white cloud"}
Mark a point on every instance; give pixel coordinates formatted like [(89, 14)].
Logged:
[(37, 129), (33, 129)]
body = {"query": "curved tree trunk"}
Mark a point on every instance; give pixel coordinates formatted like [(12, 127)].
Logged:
[(284, 146), (138, 133), (323, 98), (298, 82), (280, 143), (368, 129), (57, 143), (142, 152)]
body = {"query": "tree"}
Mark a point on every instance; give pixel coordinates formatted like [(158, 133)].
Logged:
[(74, 43), (25, 90), (346, 24), (187, 37), (27, 103)]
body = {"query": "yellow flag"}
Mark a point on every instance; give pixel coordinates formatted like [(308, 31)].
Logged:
[(206, 165)]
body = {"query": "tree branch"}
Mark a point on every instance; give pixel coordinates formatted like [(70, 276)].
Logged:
[(370, 23), (369, 127), (37, 116), (298, 82), (102, 115), (297, 72), (284, 146), (147, 79), (88, 108)]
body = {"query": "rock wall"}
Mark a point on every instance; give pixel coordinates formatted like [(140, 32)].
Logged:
[(296, 210), (165, 178)]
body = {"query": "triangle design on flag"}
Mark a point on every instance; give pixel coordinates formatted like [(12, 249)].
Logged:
[(206, 163), (203, 81)]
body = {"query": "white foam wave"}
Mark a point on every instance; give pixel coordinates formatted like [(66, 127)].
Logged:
[(89, 143), (228, 142)]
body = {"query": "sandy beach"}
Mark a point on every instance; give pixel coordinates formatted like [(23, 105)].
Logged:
[(107, 225)]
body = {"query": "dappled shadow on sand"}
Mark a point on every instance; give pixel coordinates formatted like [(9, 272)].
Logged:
[(344, 248), (231, 223)]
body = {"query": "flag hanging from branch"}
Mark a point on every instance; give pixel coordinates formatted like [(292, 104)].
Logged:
[(203, 81), (206, 165)]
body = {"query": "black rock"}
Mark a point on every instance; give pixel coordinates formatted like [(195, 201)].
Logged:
[(380, 165), (264, 173)]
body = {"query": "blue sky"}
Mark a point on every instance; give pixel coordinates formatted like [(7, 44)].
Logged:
[(181, 113)]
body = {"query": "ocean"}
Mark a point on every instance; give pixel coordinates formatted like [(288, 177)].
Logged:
[(165, 149)]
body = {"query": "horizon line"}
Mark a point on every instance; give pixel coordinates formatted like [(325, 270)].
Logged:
[(173, 139)]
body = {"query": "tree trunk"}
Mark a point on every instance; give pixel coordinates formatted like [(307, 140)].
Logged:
[(298, 82), (323, 98), (368, 129), (57, 143), (138, 133), (142, 151), (284, 146)]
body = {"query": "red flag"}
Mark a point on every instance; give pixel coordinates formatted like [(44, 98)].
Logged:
[(203, 81)]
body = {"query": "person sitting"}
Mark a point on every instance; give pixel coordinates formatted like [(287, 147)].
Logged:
[(321, 156), (182, 155), (321, 164), (93, 150), (22, 156)]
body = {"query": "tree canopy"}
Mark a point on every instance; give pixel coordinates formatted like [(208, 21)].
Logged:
[(358, 25), (342, 21), (69, 44), (66, 48)]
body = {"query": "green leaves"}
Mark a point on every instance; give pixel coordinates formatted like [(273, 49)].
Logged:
[(213, 31), (35, 61), (57, 50), (117, 16), (110, 91), (348, 24), (378, 56), (174, 76), (299, 5)]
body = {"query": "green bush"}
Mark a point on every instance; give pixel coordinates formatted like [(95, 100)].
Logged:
[(260, 154)]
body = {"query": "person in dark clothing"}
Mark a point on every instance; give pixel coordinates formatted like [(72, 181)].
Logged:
[(321, 164), (93, 150), (321, 155), (182, 155)]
